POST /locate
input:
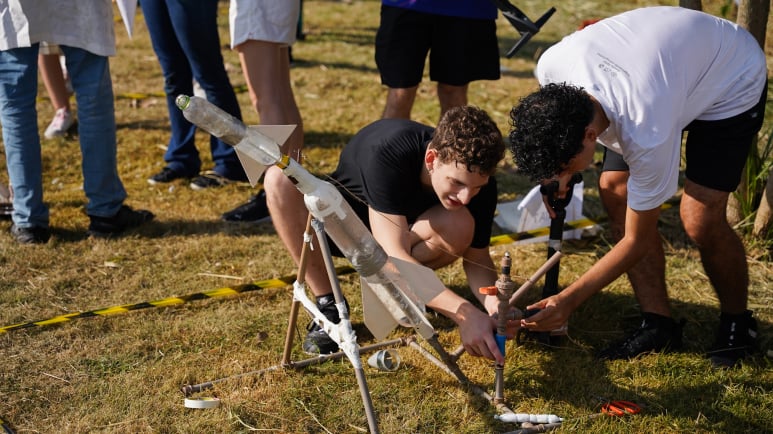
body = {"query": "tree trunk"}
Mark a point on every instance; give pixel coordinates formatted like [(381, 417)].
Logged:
[(762, 221), (734, 210), (753, 16), (691, 4)]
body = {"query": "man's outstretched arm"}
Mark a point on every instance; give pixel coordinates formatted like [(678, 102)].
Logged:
[(555, 310)]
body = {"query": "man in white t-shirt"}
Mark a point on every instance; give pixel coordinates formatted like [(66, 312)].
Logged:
[(634, 82)]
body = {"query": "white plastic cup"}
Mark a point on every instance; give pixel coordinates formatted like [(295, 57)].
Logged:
[(385, 360)]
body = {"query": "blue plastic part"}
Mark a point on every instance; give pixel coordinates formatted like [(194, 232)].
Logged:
[(501, 339)]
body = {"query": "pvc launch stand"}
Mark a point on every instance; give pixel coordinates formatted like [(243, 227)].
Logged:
[(343, 334)]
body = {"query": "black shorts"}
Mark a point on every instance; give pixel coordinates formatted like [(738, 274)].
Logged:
[(461, 50), (716, 151)]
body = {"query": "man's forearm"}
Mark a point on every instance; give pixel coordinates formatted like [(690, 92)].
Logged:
[(452, 306), (616, 262)]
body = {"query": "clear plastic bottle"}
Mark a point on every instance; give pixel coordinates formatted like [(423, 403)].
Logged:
[(227, 128)]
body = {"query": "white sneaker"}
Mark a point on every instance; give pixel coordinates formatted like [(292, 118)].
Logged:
[(62, 121)]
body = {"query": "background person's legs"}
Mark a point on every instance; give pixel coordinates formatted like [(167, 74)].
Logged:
[(195, 25), (56, 85), (399, 103), (648, 276), (658, 331), (722, 253), (18, 115), (450, 96), (266, 68)]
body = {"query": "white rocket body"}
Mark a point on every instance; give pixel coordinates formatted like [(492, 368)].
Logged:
[(388, 299)]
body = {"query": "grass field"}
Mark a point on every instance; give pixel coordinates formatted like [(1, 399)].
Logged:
[(122, 372)]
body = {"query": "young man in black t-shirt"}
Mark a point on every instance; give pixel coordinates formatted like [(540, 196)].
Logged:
[(428, 196)]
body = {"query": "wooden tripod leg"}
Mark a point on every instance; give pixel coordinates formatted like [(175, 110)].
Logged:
[(301, 276)]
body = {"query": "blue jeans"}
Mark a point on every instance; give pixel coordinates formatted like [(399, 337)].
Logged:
[(185, 38), (90, 75)]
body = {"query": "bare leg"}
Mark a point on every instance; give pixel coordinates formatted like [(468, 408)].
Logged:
[(722, 252), (399, 103), (53, 79), (451, 96), (289, 213), (266, 68), (648, 276)]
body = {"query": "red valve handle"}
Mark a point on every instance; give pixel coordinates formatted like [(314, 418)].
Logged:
[(488, 290)]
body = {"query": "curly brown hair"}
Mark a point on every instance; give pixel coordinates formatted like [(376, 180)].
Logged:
[(548, 129), (467, 135)]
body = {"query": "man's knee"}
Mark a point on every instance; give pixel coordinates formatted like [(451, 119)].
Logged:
[(445, 232), (455, 229), (277, 186)]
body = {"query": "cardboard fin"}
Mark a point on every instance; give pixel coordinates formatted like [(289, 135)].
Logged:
[(376, 316), (422, 281), (278, 133), (252, 168)]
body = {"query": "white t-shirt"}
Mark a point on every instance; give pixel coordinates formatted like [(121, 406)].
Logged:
[(654, 70), (86, 24)]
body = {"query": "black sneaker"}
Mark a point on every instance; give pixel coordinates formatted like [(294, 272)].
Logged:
[(254, 211), (165, 175), (6, 206), (317, 341), (6, 209), (209, 179), (31, 235), (656, 333), (736, 339), (125, 218)]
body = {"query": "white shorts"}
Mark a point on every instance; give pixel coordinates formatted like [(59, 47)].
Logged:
[(263, 20)]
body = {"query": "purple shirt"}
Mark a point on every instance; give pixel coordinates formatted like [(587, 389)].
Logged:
[(478, 9)]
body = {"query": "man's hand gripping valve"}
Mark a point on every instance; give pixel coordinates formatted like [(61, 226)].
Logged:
[(557, 206)]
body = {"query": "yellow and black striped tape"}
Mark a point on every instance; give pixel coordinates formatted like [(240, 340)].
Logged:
[(6, 426), (263, 284), (539, 232), (170, 301)]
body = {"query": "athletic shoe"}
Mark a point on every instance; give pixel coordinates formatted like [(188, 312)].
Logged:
[(6, 209), (59, 125), (254, 211), (317, 341), (656, 333), (31, 235), (209, 179), (165, 175), (125, 218), (6, 204), (736, 339)]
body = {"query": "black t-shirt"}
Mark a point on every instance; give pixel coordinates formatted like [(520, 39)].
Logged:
[(381, 165)]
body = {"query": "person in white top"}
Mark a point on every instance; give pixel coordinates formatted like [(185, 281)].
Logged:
[(84, 32), (634, 82)]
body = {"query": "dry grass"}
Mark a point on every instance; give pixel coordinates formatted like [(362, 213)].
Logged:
[(122, 373)]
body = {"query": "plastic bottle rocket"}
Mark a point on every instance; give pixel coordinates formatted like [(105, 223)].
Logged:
[(388, 299)]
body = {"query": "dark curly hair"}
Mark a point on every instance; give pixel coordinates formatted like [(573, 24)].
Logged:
[(467, 135), (548, 128)]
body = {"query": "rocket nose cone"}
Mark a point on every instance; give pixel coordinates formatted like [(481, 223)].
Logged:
[(182, 101)]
